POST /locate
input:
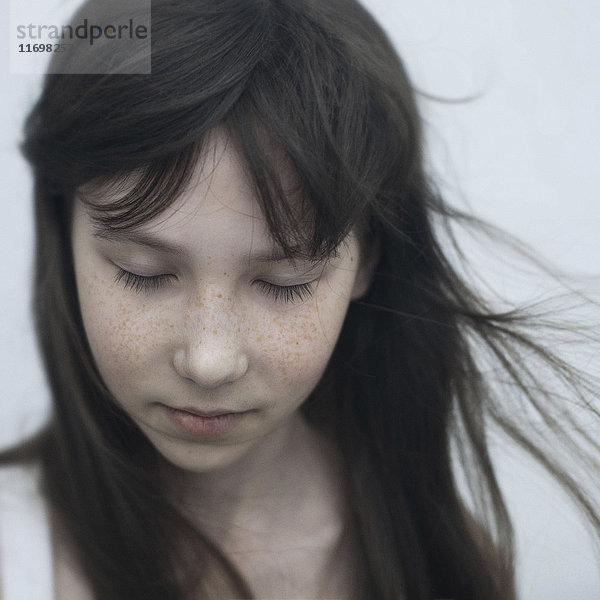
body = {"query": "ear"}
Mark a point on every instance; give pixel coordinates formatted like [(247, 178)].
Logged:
[(369, 258)]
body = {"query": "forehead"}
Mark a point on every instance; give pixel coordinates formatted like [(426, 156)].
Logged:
[(218, 204)]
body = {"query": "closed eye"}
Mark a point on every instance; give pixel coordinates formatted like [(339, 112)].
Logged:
[(152, 283), (287, 293), (142, 283)]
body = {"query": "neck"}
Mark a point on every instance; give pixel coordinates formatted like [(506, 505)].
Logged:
[(294, 475)]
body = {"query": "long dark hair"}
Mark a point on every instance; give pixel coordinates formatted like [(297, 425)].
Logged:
[(319, 81)]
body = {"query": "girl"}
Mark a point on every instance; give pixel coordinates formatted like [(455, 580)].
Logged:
[(262, 363)]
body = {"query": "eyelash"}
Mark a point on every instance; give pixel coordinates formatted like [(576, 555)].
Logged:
[(287, 293), (279, 293), (141, 283)]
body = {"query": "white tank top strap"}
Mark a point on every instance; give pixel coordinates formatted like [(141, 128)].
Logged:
[(26, 566)]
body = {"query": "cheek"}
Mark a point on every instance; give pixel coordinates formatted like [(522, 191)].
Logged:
[(302, 344), (122, 337)]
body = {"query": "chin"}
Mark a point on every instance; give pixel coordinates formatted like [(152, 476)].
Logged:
[(198, 458)]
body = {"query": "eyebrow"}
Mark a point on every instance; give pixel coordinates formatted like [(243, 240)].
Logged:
[(148, 240), (139, 238)]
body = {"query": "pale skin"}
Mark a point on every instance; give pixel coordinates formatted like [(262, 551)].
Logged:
[(211, 320)]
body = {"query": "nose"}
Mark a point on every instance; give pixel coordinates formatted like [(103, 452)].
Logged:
[(213, 352)]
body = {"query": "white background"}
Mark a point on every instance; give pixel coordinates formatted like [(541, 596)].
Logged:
[(525, 153)]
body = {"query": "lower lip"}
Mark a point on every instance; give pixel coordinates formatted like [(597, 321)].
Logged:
[(197, 425)]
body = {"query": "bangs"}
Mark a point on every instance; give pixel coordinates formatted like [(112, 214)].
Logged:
[(138, 196), (296, 99), (126, 201)]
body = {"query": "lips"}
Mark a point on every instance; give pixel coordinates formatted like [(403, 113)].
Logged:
[(207, 414), (204, 423)]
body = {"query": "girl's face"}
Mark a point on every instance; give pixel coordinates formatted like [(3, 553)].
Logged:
[(203, 333)]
